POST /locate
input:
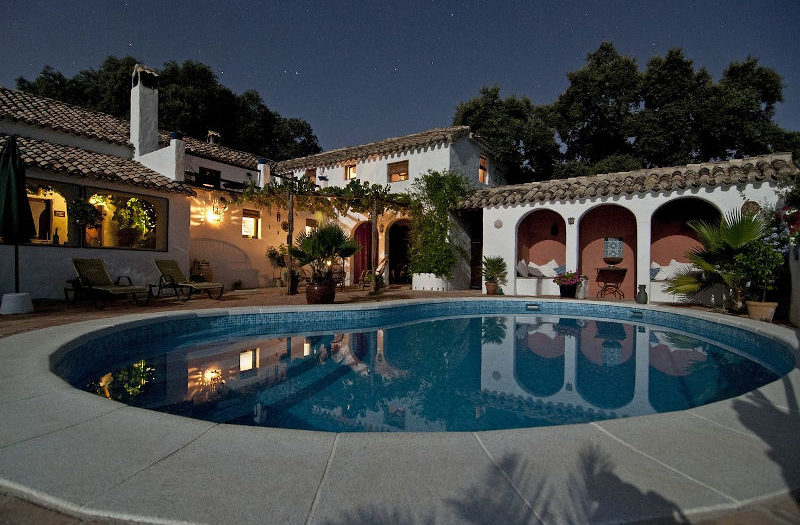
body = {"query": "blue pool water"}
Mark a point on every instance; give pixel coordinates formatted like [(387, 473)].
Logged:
[(464, 373)]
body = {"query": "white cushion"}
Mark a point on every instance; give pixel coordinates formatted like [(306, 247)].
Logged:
[(534, 270), (522, 268), (549, 268), (673, 269)]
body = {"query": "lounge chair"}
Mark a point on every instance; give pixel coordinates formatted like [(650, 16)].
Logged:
[(96, 284), (173, 278)]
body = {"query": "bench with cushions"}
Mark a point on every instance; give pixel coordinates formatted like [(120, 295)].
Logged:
[(660, 276), (534, 279)]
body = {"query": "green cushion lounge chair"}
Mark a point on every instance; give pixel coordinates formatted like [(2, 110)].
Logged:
[(172, 277), (96, 284)]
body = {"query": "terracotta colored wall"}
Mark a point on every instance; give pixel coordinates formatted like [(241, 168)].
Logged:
[(671, 241), (607, 221), (535, 241), (670, 237)]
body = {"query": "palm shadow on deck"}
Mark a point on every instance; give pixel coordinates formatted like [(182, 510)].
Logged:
[(595, 494)]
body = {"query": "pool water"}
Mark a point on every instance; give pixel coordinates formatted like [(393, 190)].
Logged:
[(452, 374)]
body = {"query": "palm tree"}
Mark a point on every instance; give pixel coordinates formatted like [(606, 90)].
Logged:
[(716, 257), (322, 248)]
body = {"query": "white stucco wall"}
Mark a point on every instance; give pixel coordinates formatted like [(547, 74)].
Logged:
[(167, 161), (44, 269), (500, 223), (374, 169), (465, 158), (233, 257)]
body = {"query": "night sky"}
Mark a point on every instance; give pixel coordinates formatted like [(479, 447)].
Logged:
[(364, 71)]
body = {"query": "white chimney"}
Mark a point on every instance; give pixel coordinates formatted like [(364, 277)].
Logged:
[(144, 110), (263, 173)]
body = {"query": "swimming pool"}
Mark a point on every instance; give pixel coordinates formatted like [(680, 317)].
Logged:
[(491, 364)]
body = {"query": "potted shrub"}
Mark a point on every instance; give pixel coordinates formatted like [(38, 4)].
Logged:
[(323, 249), (494, 272), (567, 283), (760, 263)]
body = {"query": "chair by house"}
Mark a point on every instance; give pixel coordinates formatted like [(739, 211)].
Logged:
[(366, 275), (96, 284), (173, 278)]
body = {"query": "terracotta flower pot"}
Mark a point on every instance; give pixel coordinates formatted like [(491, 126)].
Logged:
[(320, 293), (759, 311), (491, 288)]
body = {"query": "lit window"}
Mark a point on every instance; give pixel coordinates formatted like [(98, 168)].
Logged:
[(483, 171), (311, 175), (350, 172), (50, 203), (397, 171), (310, 225), (250, 223), (127, 221)]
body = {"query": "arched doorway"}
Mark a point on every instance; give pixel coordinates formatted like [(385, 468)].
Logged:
[(398, 252), (608, 220), (363, 236)]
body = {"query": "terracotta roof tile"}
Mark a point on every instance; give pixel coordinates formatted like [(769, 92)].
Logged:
[(381, 147), (50, 113), (78, 162), (216, 152), (732, 172)]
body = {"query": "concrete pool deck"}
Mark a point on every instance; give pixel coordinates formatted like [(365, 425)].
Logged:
[(84, 455)]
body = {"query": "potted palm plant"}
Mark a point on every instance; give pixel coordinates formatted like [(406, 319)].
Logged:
[(323, 249), (494, 272), (738, 253)]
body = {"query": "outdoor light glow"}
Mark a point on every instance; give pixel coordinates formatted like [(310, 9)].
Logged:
[(306, 348), (211, 376), (212, 215)]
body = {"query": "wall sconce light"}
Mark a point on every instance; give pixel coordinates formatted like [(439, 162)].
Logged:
[(211, 376), (213, 214), (306, 349), (571, 220)]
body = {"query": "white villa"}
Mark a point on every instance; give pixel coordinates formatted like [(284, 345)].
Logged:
[(186, 188)]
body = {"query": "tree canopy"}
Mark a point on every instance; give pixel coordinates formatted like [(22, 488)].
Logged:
[(614, 117), (191, 101)]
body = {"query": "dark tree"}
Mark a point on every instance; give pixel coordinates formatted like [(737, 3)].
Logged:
[(519, 133), (666, 128), (191, 101), (595, 113)]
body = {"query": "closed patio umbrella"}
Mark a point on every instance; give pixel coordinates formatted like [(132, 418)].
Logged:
[(16, 221)]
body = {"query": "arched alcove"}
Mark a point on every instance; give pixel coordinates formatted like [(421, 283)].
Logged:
[(608, 220), (542, 237)]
